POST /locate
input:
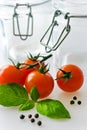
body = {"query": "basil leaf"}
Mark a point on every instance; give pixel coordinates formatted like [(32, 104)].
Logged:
[(34, 94), (27, 105), (12, 94), (52, 108)]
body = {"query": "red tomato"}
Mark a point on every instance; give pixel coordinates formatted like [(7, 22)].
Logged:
[(9, 74), (43, 82), (27, 71), (71, 79)]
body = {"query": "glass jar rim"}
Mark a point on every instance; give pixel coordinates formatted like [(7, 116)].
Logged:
[(72, 6), (13, 2), (80, 2)]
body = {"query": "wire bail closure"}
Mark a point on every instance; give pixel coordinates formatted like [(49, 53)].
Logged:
[(50, 30), (16, 24), (64, 33)]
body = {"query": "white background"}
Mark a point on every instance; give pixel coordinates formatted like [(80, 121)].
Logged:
[(9, 117)]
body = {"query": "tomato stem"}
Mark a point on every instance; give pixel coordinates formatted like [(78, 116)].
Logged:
[(44, 58), (66, 75), (33, 58), (21, 65), (16, 65), (43, 69)]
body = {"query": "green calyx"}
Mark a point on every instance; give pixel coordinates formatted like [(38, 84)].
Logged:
[(33, 58), (66, 75), (43, 69), (20, 65)]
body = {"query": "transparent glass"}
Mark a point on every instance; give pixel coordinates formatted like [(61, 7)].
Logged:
[(17, 46), (73, 6), (73, 49)]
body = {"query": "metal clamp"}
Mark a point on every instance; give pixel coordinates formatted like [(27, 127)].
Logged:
[(16, 23), (64, 33), (62, 36)]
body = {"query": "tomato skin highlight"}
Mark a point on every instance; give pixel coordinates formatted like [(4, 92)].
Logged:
[(10, 74), (72, 84), (43, 82)]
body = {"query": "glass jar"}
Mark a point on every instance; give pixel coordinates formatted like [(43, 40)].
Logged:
[(22, 25), (68, 33)]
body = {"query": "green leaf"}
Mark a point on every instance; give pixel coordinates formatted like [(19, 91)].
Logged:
[(27, 105), (12, 94), (52, 108), (34, 94)]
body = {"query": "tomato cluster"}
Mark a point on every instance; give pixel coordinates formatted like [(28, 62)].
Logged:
[(29, 77), (69, 77)]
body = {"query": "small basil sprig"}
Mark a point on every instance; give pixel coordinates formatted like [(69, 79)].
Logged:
[(16, 95)]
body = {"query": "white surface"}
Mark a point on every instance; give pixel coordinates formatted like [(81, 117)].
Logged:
[(9, 117)]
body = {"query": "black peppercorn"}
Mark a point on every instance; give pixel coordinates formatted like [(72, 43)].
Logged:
[(29, 116), (22, 116), (72, 102), (79, 102), (39, 123), (32, 120), (74, 98), (36, 115)]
